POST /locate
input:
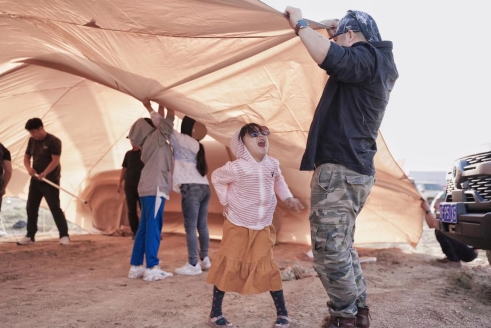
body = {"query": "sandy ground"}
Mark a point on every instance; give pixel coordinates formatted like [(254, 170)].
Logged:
[(85, 285)]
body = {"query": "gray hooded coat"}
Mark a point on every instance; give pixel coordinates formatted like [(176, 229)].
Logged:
[(156, 154)]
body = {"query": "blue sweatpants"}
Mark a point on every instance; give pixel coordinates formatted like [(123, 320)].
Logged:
[(147, 240)]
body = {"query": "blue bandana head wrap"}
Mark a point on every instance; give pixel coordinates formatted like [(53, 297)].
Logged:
[(359, 21)]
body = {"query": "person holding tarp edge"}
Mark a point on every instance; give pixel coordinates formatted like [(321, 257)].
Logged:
[(45, 151), (454, 250), (152, 137), (189, 178), (340, 149)]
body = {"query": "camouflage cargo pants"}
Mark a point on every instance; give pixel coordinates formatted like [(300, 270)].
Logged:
[(337, 197)]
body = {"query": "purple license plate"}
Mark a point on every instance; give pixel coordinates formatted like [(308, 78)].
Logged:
[(449, 212)]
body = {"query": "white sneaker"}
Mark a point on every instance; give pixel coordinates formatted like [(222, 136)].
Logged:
[(189, 270), (25, 241), (64, 240), (136, 272), (205, 264), (155, 273)]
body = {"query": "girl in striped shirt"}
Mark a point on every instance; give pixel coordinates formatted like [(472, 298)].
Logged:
[(247, 188)]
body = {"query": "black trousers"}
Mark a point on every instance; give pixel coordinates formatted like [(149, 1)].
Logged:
[(38, 190), (455, 250), (132, 201)]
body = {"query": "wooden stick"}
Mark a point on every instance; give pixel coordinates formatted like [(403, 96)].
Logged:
[(58, 187)]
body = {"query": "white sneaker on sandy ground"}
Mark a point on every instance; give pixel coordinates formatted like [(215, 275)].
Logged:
[(205, 264), (136, 272), (25, 241), (189, 270), (64, 240), (155, 273)]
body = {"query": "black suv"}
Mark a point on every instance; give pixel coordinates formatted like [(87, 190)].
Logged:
[(465, 213)]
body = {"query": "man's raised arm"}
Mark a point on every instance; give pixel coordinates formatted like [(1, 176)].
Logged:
[(316, 44)]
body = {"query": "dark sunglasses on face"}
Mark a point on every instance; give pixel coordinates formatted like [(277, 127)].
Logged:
[(263, 130)]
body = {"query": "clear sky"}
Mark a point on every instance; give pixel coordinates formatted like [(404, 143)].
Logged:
[(439, 108)]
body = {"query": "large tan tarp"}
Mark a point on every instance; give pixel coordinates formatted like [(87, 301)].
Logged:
[(81, 66)]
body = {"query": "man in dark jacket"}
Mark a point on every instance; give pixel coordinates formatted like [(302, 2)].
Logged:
[(340, 149)]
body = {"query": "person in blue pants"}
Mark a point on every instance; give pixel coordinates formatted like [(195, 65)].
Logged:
[(152, 136)]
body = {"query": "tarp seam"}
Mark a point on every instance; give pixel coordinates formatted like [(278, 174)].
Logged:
[(46, 20)]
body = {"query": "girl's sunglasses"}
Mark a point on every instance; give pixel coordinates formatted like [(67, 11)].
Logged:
[(262, 129)]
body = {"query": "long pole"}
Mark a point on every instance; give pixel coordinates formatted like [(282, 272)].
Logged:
[(58, 187)]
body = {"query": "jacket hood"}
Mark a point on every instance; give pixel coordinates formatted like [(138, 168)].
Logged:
[(239, 149), (139, 131)]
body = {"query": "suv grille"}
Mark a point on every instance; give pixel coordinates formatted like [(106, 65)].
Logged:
[(479, 158), (481, 185)]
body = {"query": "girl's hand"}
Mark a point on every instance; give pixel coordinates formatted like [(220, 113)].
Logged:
[(294, 203), (147, 104)]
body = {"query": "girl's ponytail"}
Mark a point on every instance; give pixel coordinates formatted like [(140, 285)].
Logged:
[(201, 165)]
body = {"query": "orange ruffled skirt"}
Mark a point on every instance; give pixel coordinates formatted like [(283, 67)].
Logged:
[(244, 264)]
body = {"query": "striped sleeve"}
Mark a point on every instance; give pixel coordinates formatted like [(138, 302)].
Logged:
[(221, 178), (280, 187)]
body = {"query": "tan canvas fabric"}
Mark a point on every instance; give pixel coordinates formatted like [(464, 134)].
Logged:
[(223, 63)]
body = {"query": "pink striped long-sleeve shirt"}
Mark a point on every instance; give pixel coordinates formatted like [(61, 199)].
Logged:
[(248, 189)]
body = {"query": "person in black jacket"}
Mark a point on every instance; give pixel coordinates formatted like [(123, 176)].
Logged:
[(340, 148)]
